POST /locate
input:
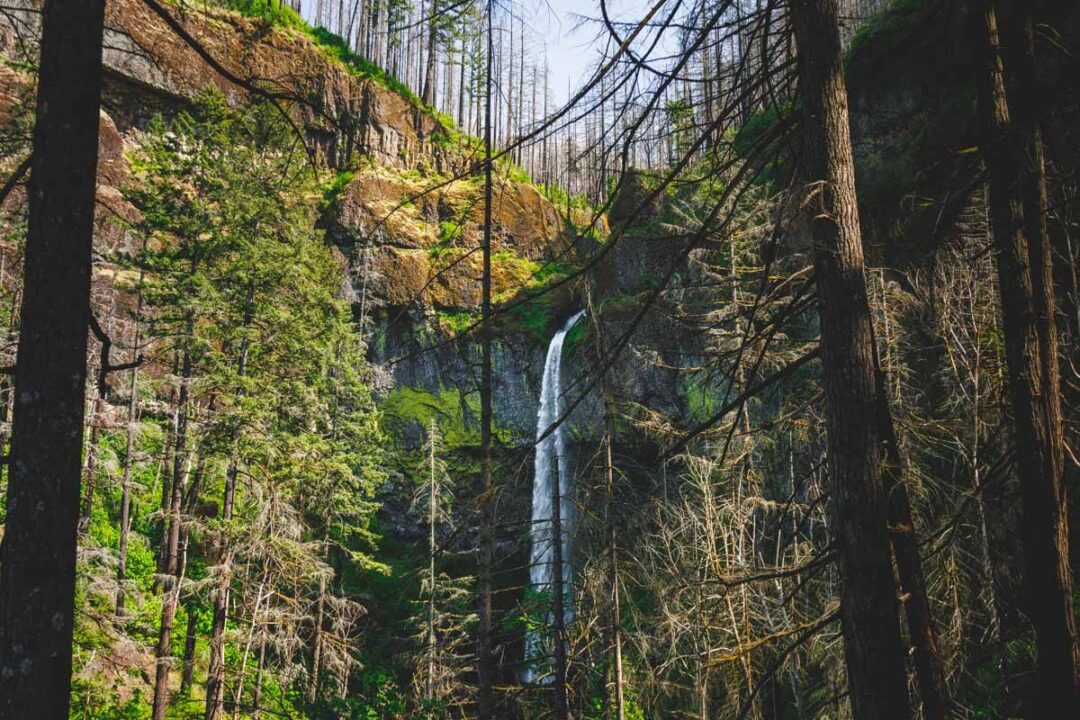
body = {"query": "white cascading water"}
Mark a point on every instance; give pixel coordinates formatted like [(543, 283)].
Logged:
[(551, 449)]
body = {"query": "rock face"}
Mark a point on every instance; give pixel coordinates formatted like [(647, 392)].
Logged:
[(409, 232), (149, 67)]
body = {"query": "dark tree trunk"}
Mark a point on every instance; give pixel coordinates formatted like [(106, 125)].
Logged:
[(1014, 159), (877, 681), (189, 652), (929, 671), (37, 579), (613, 558)]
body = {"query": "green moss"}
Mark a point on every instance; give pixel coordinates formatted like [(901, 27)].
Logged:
[(702, 396), (537, 316), (449, 232), (281, 15), (455, 323), (886, 29), (274, 12), (452, 409), (333, 189), (577, 335)]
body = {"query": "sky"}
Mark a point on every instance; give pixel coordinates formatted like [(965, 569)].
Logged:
[(571, 45)]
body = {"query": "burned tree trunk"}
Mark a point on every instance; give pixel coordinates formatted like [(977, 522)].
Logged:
[(1013, 153), (37, 579), (877, 681)]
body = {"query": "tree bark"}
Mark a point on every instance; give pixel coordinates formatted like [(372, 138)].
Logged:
[(95, 420), (1013, 153), (190, 637), (316, 643), (129, 462), (170, 555), (877, 682), (485, 668), (428, 94), (37, 576), (559, 706), (613, 558), (929, 671)]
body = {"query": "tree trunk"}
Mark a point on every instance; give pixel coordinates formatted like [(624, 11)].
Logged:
[(215, 676), (171, 546), (433, 499), (922, 633), (37, 575), (129, 462), (1013, 154), (929, 671), (485, 666), (189, 652), (428, 94), (90, 476), (256, 698), (616, 617), (559, 707), (877, 682), (316, 644)]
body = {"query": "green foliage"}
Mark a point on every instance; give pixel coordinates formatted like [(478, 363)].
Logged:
[(449, 232), (561, 200), (887, 28), (272, 11), (576, 336), (536, 316), (338, 48), (456, 322), (90, 700), (680, 117), (756, 130), (453, 411), (237, 282), (337, 184)]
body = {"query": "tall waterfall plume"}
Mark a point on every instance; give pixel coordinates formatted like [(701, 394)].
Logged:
[(551, 462)]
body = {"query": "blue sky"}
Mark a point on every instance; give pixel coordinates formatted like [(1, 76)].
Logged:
[(572, 50)]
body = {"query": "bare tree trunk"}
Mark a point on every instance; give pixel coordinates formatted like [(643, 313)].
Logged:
[(559, 707), (256, 699), (461, 88), (485, 664), (37, 573), (1014, 159), (129, 461), (316, 643), (616, 611), (929, 670), (433, 498), (877, 681), (90, 476), (190, 637), (171, 545)]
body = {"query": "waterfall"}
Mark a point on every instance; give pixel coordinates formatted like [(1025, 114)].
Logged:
[(551, 449)]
